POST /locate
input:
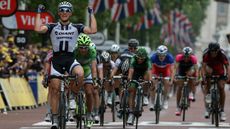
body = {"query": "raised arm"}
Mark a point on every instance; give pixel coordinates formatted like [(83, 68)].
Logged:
[(39, 27), (92, 28)]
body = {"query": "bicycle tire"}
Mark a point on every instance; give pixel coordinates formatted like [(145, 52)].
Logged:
[(102, 108), (113, 108), (124, 111), (216, 111), (62, 111), (138, 107), (80, 108), (157, 108)]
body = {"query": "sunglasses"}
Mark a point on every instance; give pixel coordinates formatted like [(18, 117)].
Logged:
[(83, 47), (161, 55), (65, 10), (140, 58), (133, 48)]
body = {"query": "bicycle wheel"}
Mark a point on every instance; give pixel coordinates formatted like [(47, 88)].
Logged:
[(124, 108), (102, 107), (62, 111), (138, 108), (216, 110), (79, 111), (157, 108), (113, 107)]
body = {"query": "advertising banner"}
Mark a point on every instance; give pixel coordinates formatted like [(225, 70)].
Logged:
[(25, 20), (8, 7)]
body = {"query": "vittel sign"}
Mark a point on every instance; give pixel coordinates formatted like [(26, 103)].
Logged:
[(25, 20), (8, 7)]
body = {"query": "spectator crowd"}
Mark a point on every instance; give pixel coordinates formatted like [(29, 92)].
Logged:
[(18, 61)]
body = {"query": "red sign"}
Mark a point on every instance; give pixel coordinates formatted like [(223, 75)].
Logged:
[(25, 20), (8, 7)]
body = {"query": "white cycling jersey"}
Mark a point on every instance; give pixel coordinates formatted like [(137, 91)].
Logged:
[(63, 37)]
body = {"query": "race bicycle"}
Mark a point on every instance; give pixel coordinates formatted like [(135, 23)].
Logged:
[(159, 100), (63, 109), (138, 109), (124, 111), (214, 105), (184, 100)]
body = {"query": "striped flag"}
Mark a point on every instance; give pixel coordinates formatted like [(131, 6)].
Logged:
[(178, 29), (125, 8), (101, 5), (151, 17)]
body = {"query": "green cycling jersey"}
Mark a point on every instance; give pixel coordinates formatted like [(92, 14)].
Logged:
[(139, 69), (86, 60)]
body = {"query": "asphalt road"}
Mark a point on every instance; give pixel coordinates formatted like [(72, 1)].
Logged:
[(33, 118)]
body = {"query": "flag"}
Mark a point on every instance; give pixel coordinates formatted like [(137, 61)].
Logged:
[(101, 5), (126, 8), (178, 29), (151, 17)]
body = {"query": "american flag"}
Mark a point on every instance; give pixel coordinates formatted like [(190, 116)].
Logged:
[(125, 8), (177, 30)]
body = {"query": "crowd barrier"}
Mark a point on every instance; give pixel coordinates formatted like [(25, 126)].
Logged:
[(17, 92)]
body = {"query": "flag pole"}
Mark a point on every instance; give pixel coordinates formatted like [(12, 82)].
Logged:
[(117, 35)]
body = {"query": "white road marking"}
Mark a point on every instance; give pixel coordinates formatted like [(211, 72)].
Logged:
[(149, 123)]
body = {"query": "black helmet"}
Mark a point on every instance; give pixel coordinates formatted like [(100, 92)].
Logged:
[(214, 46), (133, 43)]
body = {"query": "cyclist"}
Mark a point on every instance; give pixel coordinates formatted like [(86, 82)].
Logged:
[(162, 63), (140, 67), (115, 53), (47, 66), (105, 68), (86, 56), (63, 36), (215, 62), (186, 65)]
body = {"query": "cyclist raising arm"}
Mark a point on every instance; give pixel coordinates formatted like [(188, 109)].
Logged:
[(63, 35)]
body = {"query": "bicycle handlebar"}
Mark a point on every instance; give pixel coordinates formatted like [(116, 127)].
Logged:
[(161, 78), (62, 77)]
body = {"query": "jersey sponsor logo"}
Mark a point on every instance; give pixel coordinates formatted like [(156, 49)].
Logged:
[(64, 33)]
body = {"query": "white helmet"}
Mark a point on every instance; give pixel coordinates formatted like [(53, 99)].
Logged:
[(115, 48), (65, 4), (187, 51), (105, 56), (162, 50)]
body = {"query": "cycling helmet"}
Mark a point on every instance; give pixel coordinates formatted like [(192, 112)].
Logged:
[(133, 43), (162, 50), (105, 56), (141, 53), (187, 51), (213, 46), (83, 40), (65, 4), (114, 48)]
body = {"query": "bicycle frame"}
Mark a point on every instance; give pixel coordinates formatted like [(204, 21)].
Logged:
[(124, 101), (158, 96), (214, 107), (63, 100), (184, 100)]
